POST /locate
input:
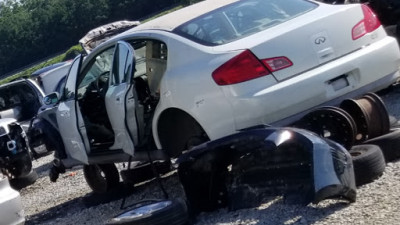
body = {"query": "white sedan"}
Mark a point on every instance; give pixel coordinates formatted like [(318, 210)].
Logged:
[(216, 67)]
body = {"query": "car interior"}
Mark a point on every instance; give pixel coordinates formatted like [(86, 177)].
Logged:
[(18, 101), (151, 58)]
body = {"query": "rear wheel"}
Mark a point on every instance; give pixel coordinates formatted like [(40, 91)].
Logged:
[(178, 131), (101, 178), (368, 162)]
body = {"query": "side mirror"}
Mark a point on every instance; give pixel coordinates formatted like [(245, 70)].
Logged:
[(51, 98)]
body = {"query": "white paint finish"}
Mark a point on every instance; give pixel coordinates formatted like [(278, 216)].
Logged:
[(11, 211), (187, 83)]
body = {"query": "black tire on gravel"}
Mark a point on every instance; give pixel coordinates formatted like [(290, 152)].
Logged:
[(154, 212), (389, 144), (101, 178), (368, 162), (24, 181)]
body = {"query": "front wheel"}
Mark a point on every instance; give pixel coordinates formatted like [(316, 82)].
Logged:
[(101, 178)]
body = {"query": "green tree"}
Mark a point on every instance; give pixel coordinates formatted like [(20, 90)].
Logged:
[(31, 30)]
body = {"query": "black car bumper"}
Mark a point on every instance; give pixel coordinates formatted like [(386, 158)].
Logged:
[(245, 169)]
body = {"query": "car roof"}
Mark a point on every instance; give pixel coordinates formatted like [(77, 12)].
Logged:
[(47, 68), (172, 20)]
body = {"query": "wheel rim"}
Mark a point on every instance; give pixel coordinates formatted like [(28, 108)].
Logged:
[(360, 117), (144, 210), (374, 110), (384, 115), (332, 123)]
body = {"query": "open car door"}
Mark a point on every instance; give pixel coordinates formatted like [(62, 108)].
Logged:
[(69, 116), (121, 98)]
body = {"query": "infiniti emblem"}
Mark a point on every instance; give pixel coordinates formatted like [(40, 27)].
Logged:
[(319, 40)]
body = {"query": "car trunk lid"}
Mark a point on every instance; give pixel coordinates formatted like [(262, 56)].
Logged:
[(310, 40)]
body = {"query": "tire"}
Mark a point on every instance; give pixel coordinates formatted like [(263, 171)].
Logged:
[(24, 181), (154, 212), (389, 144), (101, 178), (368, 162)]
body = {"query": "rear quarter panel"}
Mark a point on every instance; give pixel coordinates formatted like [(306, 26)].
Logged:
[(187, 85)]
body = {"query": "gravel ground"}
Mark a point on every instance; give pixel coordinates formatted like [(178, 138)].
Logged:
[(70, 201)]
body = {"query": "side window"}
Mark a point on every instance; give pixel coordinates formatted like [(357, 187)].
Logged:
[(99, 66), (121, 65), (150, 63), (69, 89)]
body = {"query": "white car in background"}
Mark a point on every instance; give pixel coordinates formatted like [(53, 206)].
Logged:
[(11, 211), (214, 68)]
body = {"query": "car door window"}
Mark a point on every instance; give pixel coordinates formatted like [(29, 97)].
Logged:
[(122, 64), (69, 89), (99, 66)]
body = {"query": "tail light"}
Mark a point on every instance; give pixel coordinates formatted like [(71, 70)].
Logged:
[(277, 63), (246, 66), (366, 25), (240, 68)]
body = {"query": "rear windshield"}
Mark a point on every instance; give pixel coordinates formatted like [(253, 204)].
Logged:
[(241, 19)]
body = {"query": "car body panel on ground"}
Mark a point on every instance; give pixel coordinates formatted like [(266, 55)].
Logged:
[(244, 169), (11, 212)]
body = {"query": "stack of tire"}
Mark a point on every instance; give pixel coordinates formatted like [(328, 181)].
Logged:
[(364, 127)]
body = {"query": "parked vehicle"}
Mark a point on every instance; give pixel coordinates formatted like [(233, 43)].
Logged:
[(15, 158), (21, 100), (40, 71), (49, 80), (11, 212), (214, 68)]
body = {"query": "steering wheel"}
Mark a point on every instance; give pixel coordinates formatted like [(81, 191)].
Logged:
[(101, 84)]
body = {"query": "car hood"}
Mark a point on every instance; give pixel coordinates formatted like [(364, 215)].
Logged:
[(100, 34)]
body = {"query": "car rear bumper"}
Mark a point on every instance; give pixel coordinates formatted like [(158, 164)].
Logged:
[(371, 68), (245, 169)]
